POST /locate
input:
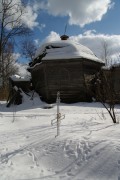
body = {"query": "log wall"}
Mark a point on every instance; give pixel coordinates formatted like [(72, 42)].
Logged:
[(66, 76)]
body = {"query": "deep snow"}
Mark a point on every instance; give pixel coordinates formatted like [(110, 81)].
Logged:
[(88, 147)]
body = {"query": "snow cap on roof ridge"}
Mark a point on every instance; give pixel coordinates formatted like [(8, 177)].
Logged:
[(67, 49)]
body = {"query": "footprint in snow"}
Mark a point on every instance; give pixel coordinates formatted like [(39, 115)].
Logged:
[(30, 154), (118, 162), (70, 173), (97, 153), (118, 148), (62, 176), (34, 158), (31, 167), (10, 163)]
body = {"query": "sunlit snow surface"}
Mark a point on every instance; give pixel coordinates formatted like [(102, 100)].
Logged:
[(88, 147)]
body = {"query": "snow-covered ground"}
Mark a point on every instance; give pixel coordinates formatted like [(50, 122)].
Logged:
[(88, 147)]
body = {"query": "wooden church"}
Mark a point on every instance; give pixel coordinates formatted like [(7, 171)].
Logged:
[(64, 66)]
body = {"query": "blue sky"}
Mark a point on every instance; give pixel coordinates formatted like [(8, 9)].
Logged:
[(109, 23), (89, 22)]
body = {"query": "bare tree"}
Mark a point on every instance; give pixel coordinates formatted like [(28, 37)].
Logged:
[(9, 63), (105, 92), (9, 67), (28, 49), (10, 26), (105, 51)]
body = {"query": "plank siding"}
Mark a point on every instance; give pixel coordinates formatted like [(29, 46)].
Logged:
[(66, 76), (114, 73)]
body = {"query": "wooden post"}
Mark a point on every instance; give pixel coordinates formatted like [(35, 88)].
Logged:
[(59, 117), (58, 113)]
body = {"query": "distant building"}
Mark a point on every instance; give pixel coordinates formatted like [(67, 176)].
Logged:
[(64, 66)]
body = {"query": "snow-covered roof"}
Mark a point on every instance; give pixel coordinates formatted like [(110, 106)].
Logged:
[(19, 78), (66, 49)]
